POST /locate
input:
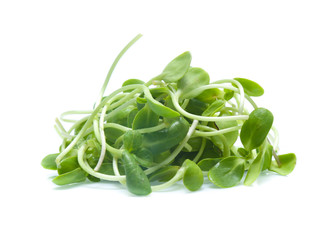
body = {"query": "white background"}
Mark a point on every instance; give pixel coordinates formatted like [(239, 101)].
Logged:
[(54, 56)]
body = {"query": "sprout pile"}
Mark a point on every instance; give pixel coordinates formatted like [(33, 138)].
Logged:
[(177, 126)]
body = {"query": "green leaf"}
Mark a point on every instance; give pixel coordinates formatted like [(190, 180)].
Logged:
[(131, 82), (194, 78), (121, 116), (136, 180), (75, 176), (159, 91), (161, 110), (164, 174), (93, 179), (141, 100), (254, 169), (107, 168), (144, 157), (221, 143), (145, 118), (256, 128), (228, 172), (166, 138), (112, 134), (243, 152), (287, 161), (211, 151), (196, 106), (48, 162), (193, 177), (207, 163), (210, 95), (251, 88), (267, 157), (176, 69), (131, 117), (161, 156), (228, 94), (67, 165), (260, 163), (132, 140), (214, 108)]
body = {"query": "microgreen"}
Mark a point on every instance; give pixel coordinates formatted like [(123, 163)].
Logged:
[(228, 172), (176, 126), (177, 68)]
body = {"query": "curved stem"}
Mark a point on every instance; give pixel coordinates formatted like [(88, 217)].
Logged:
[(86, 167), (111, 70), (216, 132), (250, 100), (90, 120), (203, 118), (77, 123), (202, 148), (73, 113), (116, 171), (241, 91), (152, 129), (226, 150), (276, 138), (179, 175), (102, 138)]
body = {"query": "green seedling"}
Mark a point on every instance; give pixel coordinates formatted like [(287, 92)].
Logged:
[(177, 126)]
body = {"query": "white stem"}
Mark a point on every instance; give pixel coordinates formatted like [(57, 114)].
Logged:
[(116, 171), (73, 113), (216, 132), (203, 118), (102, 138)]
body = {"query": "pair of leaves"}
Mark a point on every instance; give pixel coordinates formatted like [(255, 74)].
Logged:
[(69, 172), (178, 70), (192, 175), (68, 169), (145, 118), (132, 141), (229, 171)]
